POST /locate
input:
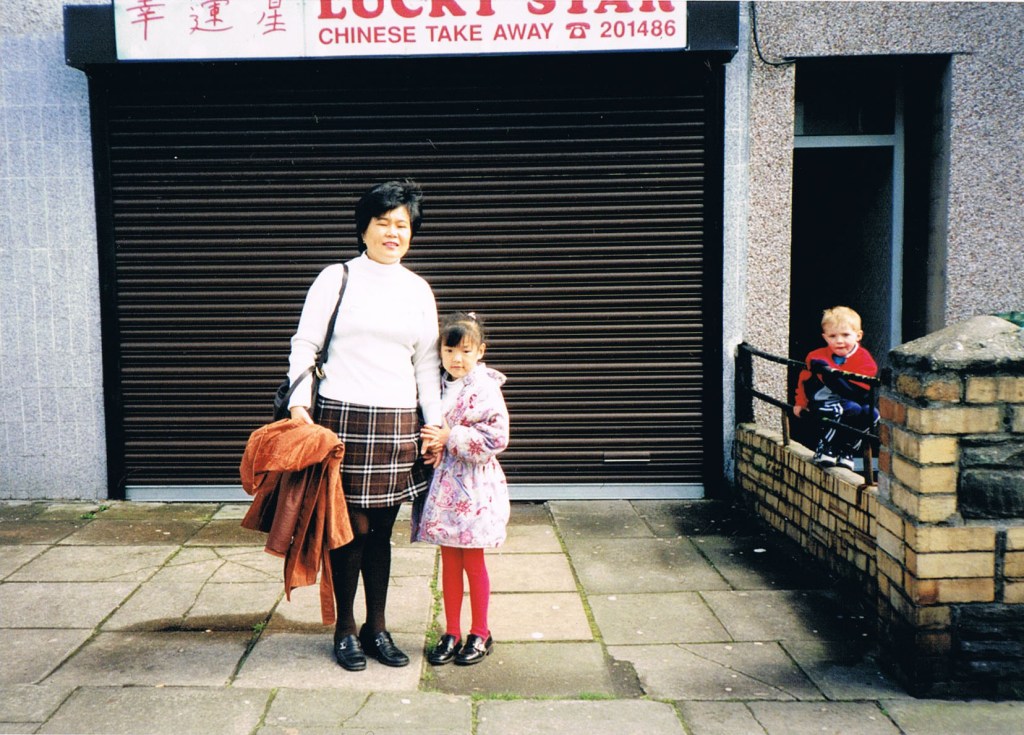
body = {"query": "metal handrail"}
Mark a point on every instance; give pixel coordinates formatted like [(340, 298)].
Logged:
[(746, 393)]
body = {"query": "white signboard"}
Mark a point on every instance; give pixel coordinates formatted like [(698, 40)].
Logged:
[(261, 29)]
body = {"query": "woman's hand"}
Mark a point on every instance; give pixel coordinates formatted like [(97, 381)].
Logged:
[(797, 410), (434, 440), (301, 413)]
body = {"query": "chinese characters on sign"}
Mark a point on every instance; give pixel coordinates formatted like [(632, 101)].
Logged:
[(239, 29)]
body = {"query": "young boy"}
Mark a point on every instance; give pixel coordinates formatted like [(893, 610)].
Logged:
[(834, 397)]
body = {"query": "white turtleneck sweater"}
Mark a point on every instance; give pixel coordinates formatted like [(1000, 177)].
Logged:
[(384, 350)]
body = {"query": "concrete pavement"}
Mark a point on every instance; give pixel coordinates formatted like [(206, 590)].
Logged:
[(609, 617)]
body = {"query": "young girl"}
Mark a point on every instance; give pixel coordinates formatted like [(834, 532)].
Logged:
[(467, 507)]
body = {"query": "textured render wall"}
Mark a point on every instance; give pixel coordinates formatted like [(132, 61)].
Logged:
[(986, 174), (734, 223), (52, 427)]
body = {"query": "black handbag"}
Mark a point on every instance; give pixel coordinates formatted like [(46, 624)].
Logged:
[(285, 390)]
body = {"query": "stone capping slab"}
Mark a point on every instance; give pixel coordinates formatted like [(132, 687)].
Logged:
[(981, 344)]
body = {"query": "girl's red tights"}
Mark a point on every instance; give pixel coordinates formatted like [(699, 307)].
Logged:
[(453, 563)]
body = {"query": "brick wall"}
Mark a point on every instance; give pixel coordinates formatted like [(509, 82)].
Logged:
[(829, 513), (951, 509), (938, 546)]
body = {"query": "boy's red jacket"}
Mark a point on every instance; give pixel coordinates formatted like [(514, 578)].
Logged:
[(293, 470), (860, 362)]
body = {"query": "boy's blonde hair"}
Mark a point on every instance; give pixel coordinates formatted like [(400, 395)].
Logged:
[(839, 316)]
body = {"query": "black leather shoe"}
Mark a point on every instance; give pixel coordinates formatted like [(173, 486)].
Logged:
[(475, 650), (349, 653), (382, 648), (444, 651)]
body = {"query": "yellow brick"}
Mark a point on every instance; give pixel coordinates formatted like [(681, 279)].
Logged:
[(954, 420), (1017, 420), (1015, 539), (931, 539), (944, 566), (1013, 593), (909, 385), (889, 520), (927, 478), (981, 390), (1010, 389), (942, 390), (925, 508), (890, 569), (1014, 564), (926, 449), (890, 544), (945, 591)]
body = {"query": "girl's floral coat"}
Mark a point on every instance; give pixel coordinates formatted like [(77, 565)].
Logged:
[(468, 506)]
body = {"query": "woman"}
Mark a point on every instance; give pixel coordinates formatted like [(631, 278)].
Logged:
[(382, 363)]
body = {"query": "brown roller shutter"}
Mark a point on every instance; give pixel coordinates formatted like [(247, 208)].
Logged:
[(566, 203)]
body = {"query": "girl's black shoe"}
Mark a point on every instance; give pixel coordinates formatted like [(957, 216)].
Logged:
[(475, 650), (445, 650)]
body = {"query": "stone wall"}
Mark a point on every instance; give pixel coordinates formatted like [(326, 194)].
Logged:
[(938, 546)]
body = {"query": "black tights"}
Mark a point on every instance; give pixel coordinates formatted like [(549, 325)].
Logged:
[(368, 553)]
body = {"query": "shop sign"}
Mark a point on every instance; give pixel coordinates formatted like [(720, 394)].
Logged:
[(260, 29)]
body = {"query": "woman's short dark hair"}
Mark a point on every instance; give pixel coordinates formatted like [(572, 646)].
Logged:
[(385, 197)]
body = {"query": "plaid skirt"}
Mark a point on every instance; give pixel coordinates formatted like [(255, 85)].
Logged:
[(382, 465)]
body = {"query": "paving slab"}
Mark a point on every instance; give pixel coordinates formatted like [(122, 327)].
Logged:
[(714, 671), (155, 659), (598, 519), (641, 565), (94, 564), (60, 604), (159, 711), (530, 573), (530, 670), (844, 670), (671, 617), (31, 654), (305, 661), (768, 615), (529, 513), (941, 717), (311, 710), (30, 703), (413, 712), (137, 532), (155, 607), (624, 717), (547, 616), (13, 558), (531, 538), (673, 518), (823, 718), (719, 718), (757, 562), (227, 533), (37, 532), (156, 512)]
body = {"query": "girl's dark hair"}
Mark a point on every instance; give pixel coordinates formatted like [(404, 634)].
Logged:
[(456, 327), (385, 197)]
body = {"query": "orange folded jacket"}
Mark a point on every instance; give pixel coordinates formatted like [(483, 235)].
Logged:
[(293, 470)]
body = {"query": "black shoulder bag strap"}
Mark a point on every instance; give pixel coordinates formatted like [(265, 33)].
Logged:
[(321, 357)]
